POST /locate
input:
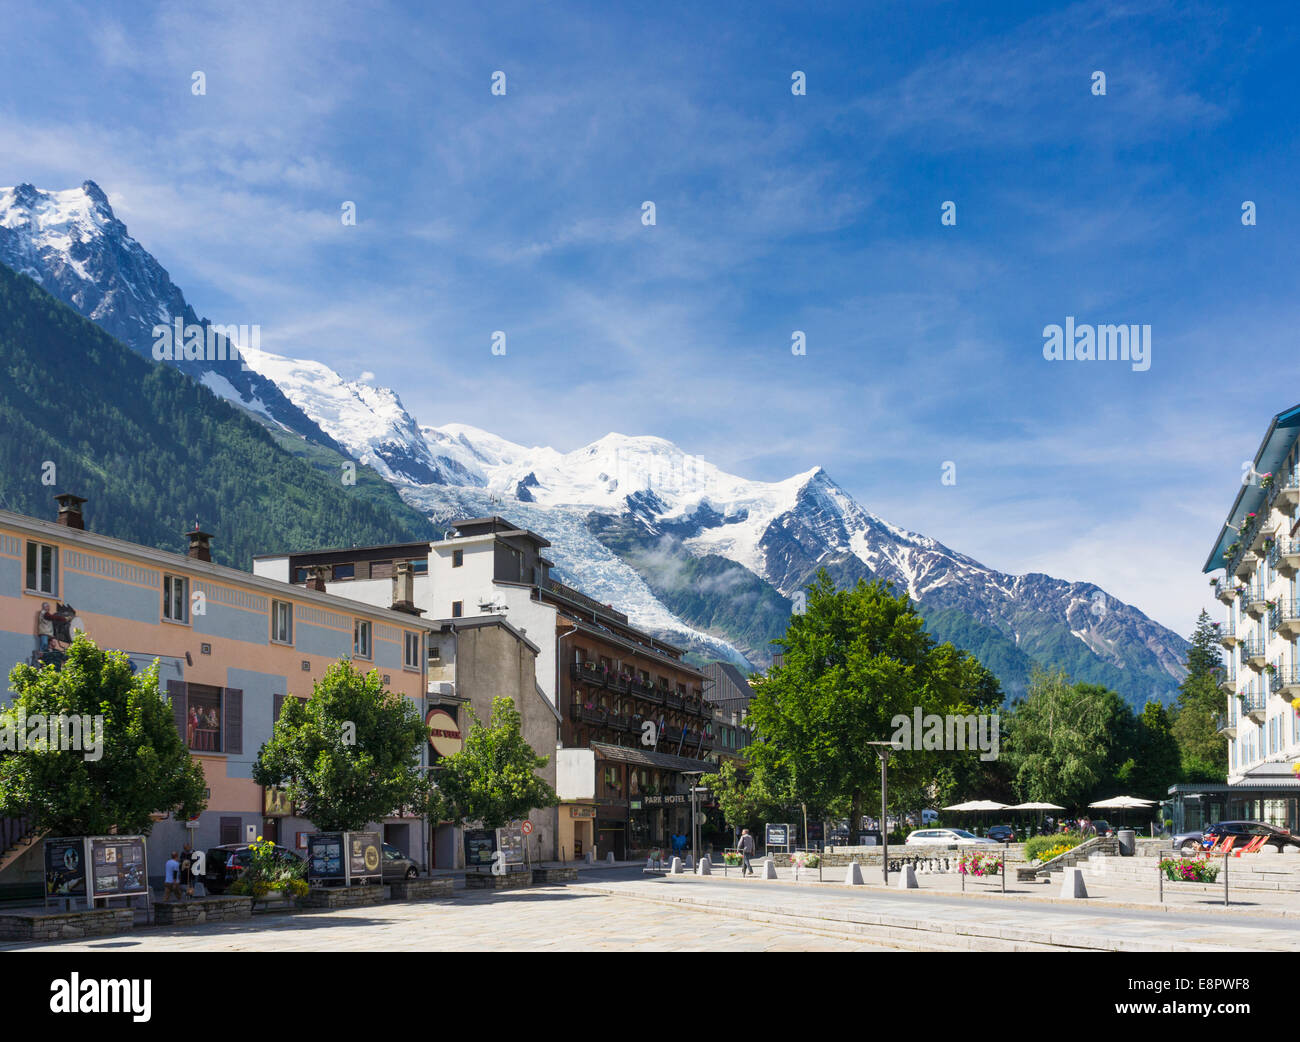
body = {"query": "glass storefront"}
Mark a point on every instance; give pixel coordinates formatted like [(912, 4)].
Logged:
[(1195, 806)]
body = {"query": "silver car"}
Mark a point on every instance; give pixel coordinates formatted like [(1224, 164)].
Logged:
[(945, 838)]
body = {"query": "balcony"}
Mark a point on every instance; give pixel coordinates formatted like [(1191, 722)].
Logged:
[(1251, 702), (672, 700), (581, 714), (618, 682), (1285, 682), (1252, 654), (1285, 556), (1253, 602), (1225, 725), (1229, 681), (1284, 492), (1252, 531), (1245, 564), (1226, 590), (586, 673), (1284, 618), (1228, 635)]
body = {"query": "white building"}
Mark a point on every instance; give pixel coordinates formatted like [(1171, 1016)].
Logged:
[(1259, 551)]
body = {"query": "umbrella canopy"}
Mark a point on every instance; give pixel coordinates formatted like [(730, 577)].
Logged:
[(1035, 806), (1122, 803), (978, 805)]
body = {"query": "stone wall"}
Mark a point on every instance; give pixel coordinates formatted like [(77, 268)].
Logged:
[(61, 926), (343, 896), (542, 876), (202, 910), (487, 881), (421, 889)]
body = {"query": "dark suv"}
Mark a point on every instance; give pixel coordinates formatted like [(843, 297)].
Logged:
[(1002, 833), (224, 863), (1244, 831)]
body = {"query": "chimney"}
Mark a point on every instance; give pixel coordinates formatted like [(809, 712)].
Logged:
[(200, 544), (319, 573), (70, 511), (404, 589)]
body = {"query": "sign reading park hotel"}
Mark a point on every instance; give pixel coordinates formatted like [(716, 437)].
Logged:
[(444, 733)]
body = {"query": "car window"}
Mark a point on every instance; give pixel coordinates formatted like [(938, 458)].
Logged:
[(962, 833)]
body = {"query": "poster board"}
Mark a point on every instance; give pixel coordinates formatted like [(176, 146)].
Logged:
[(480, 847), (364, 857), (325, 858), (778, 835), (65, 868), (117, 867), (510, 840)]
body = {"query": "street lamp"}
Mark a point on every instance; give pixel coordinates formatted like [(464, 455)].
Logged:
[(883, 750)]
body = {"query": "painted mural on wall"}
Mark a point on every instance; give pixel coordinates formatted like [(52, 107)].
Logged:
[(56, 624)]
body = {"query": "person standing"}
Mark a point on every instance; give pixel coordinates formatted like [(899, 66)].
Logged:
[(172, 879), (187, 869), (746, 847)]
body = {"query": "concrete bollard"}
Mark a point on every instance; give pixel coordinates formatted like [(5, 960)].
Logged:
[(610, 857), (853, 876), (1289, 849), (690, 861), (591, 857), (769, 869), (906, 878), (676, 866), (1072, 884), (704, 868)]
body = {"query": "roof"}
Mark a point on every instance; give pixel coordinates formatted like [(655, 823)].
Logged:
[(496, 526), (1272, 453), (166, 558), (648, 758), (476, 621), (632, 645), (735, 677), (417, 545)]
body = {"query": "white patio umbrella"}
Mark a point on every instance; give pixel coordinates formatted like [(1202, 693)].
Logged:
[(978, 805), (1040, 807), (1123, 803)]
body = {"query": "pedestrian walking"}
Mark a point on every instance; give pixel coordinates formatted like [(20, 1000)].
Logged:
[(172, 878), (746, 847)]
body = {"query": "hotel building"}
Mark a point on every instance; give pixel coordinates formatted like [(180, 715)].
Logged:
[(1255, 561)]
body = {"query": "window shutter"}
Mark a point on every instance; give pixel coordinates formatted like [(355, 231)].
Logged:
[(176, 691), (278, 704), (233, 700)]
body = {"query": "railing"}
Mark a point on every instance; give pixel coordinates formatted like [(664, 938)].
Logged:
[(13, 831), (1283, 677), (1283, 554), (1252, 648), (1285, 612), (671, 700), (1223, 724), (1251, 700), (1290, 484), (596, 675)]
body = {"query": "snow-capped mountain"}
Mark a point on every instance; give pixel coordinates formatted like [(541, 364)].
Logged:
[(700, 557), (696, 554), (72, 244)]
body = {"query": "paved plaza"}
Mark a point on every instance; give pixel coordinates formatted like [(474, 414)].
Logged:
[(625, 910)]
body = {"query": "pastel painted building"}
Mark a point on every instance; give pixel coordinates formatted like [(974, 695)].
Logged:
[(231, 646)]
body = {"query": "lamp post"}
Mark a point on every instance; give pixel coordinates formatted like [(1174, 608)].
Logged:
[(882, 750)]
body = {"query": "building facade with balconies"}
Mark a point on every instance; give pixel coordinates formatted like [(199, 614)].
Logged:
[(1258, 550)]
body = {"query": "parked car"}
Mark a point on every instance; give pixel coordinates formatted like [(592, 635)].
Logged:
[(1189, 843), (1100, 828), (1001, 834), (397, 866), (944, 837), (226, 862)]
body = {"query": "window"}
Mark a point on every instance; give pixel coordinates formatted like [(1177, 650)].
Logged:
[(457, 609), (43, 568), (203, 722), (435, 653), (420, 567), (176, 598), (300, 575), (282, 622), (411, 660), (457, 558), (344, 571), (361, 639)]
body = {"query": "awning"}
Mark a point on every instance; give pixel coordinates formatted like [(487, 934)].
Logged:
[(650, 758)]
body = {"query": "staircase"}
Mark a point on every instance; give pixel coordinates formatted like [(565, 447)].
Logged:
[(17, 837)]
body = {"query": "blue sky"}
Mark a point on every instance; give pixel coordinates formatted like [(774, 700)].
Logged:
[(774, 213)]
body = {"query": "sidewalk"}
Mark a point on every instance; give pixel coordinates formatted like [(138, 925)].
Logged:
[(942, 918)]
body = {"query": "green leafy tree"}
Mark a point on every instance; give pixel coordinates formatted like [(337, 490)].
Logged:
[(142, 767), (1155, 763), (348, 755), (1059, 743), (748, 797), (493, 779), (853, 662)]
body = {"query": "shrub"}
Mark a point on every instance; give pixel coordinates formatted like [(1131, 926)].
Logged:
[(1044, 848), (976, 864)]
